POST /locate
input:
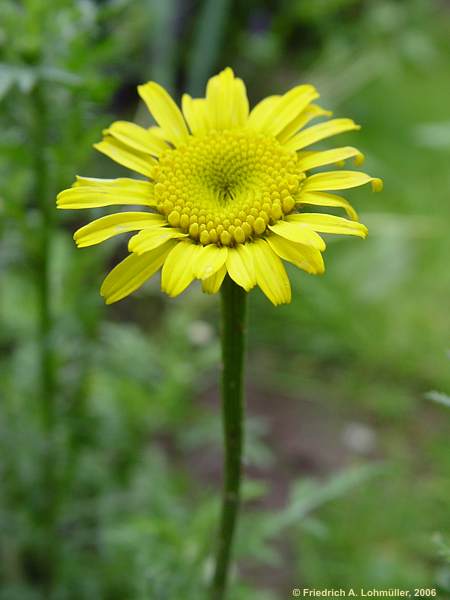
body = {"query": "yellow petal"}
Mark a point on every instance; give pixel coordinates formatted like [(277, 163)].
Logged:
[(213, 283), (157, 132), (218, 99), (209, 260), (270, 273), (329, 224), (147, 240), (165, 112), (225, 106), (306, 258), (194, 111), (88, 192), (319, 132), (275, 114), (136, 137), (130, 158), (324, 199), (301, 234), (339, 180), (240, 104), (132, 272), (289, 107), (106, 227), (308, 114), (177, 272), (240, 266), (327, 157), (116, 183), (258, 114)]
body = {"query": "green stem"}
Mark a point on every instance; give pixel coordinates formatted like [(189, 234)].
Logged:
[(233, 344)]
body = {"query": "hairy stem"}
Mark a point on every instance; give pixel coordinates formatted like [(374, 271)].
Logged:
[(233, 344)]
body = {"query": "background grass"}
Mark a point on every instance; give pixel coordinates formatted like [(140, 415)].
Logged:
[(110, 464)]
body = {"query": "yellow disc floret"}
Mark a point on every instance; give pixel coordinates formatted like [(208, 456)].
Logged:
[(225, 188)]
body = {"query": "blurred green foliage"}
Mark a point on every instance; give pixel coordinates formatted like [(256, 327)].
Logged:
[(110, 464)]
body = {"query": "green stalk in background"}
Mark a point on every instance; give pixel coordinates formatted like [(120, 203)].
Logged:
[(207, 44), (41, 197), (41, 193), (233, 345), (163, 44)]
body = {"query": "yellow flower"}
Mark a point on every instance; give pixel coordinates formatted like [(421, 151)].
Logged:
[(226, 190)]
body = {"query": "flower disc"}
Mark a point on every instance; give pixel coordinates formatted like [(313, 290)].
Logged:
[(226, 187)]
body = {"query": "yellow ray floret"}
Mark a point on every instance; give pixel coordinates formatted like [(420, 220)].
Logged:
[(311, 160), (165, 111), (177, 272), (302, 256), (136, 137), (329, 224), (126, 156), (319, 132), (270, 273), (226, 101), (210, 259), (224, 190), (144, 241), (89, 192), (339, 180), (240, 266), (299, 234), (131, 273), (213, 283), (326, 199), (106, 227)]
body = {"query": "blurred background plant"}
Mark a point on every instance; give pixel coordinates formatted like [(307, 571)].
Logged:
[(109, 434)]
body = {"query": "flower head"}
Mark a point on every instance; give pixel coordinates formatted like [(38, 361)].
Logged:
[(227, 190)]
